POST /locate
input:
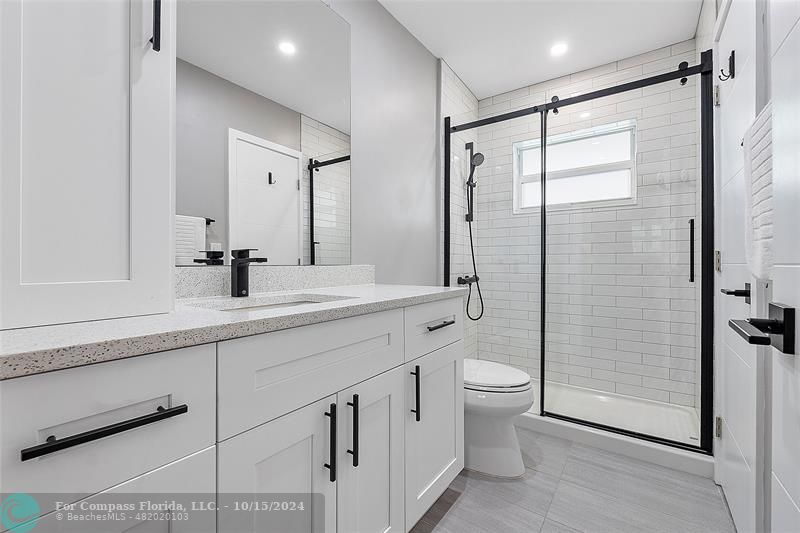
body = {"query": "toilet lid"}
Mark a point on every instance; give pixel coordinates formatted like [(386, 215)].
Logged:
[(495, 375)]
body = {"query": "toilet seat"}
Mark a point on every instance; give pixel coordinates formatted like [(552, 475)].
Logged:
[(488, 376)]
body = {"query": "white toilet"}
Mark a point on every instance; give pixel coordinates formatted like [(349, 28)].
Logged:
[(493, 395)]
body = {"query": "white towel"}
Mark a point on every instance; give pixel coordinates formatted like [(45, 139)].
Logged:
[(190, 239), (758, 195)]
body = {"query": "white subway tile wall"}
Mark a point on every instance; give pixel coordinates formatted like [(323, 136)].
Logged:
[(331, 193), (622, 315), (458, 102)]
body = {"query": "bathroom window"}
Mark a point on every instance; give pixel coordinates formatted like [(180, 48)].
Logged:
[(593, 167)]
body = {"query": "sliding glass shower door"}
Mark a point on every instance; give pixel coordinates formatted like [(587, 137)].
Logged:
[(623, 204)]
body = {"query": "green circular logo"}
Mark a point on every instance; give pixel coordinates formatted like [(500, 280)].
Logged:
[(18, 511)]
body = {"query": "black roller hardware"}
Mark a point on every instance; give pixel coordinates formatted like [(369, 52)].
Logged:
[(416, 373), (691, 250), (53, 444), (332, 464), (442, 325), (354, 451), (156, 39)]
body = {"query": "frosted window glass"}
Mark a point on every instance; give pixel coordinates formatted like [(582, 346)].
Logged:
[(612, 185), (589, 151)]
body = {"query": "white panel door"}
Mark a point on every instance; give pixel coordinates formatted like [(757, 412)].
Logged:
[(86, 170), (264, 198), (739, 378), (435, 438), (785, 473), (370, 482), (282, 457)]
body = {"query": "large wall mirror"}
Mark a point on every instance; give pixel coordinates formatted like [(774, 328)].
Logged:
[(263, 132)]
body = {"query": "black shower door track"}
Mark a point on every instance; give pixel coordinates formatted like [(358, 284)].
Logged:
[(705, 69)]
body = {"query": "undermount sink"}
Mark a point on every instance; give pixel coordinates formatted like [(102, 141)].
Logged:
[(259, 303)]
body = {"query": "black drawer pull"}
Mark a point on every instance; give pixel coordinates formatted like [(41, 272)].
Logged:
[(156, 38), (332, 464), (354, 451), (54, 445), (442, 325), (416, 373)]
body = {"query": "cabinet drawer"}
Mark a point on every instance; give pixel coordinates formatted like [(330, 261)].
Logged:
[(430, 326), (187, 480), (81, 401), (265, 376)]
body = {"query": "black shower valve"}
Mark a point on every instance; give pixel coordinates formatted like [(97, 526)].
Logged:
[(468, 280)]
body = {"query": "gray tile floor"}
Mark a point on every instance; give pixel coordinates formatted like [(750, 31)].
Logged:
[(569, 487)]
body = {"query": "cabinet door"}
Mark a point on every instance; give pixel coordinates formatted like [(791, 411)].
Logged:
[(277, 460), (435, 431), (370, 484), (187, 480), (86, 180)]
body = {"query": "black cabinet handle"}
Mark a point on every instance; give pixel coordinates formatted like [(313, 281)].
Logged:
[(741, 293), (416, 373), (354, 451), (691, 250), (442, 325), (53, 444), (332, 465), (156, 39)]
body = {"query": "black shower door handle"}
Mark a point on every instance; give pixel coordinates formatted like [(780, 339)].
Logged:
[(331, 465), (691, 250), (156, 39), (354, 451), (53, 444), (416, 373)]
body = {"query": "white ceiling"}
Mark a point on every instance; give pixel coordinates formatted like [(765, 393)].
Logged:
[(238, 40), (499, 46)]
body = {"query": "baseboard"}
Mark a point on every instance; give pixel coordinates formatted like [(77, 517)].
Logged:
[(685, 461)]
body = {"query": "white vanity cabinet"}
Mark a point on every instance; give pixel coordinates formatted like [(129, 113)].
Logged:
[(347, 447), (86, 180), (328, 408), (434, 432)]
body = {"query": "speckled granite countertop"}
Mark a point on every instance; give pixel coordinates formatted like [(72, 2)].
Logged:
[(42, 349)]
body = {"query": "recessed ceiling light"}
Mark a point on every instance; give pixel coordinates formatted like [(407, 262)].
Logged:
[(558, 49), (287, 48), (586, 115)]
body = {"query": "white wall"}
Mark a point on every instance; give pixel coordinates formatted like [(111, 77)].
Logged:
[(395, 202)]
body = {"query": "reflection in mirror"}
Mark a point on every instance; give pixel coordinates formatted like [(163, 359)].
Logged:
[(263, 99)]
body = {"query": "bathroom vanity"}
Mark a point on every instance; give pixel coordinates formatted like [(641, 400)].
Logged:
[(354, 393)]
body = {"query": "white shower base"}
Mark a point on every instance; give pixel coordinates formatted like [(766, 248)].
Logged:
[(668, 421)]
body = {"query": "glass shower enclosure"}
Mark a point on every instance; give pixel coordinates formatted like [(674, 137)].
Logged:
[(594, 234)]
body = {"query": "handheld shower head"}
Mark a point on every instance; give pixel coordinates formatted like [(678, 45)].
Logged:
[(477, 160)]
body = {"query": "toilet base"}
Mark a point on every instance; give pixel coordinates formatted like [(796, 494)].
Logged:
[(491, 445)]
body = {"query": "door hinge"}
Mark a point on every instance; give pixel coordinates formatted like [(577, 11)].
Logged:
[(717, 260), (298, 261), (718, 427), (717, 101), (298, 185)]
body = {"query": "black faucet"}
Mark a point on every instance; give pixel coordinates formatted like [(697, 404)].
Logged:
[(240, 274)]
